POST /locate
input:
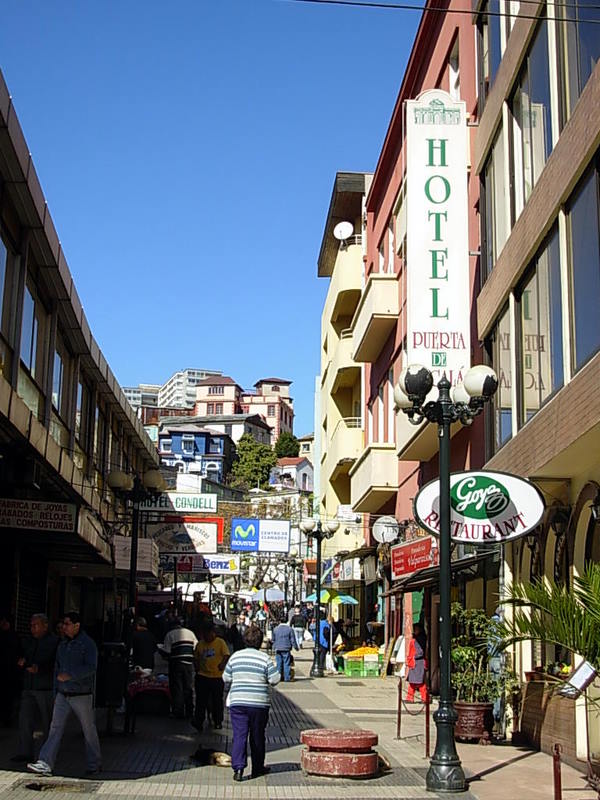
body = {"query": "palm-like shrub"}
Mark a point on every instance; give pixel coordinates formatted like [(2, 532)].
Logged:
[(550, 613)]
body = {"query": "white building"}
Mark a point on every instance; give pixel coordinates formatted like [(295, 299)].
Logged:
[(180, 390)]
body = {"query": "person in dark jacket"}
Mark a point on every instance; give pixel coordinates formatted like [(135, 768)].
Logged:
[(298, 624), (74, 679), (143, 645), (284, 640), (37, 663)]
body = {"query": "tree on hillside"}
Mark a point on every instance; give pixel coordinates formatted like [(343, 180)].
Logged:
[(287, 446), (253, 464)]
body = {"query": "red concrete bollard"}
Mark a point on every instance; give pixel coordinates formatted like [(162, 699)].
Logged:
[(339, 753)]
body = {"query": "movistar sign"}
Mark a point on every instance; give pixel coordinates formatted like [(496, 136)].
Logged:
[(485, 507)]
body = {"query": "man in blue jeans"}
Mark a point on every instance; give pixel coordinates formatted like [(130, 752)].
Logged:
[(74, 678), (284, 640)]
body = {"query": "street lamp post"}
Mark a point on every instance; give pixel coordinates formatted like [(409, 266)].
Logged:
[(314, 528), (134, 489), (466, 401)]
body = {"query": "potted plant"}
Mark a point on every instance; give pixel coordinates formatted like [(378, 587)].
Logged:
[(477, 686)]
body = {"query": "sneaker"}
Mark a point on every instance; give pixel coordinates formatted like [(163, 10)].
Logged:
[(40, 768)]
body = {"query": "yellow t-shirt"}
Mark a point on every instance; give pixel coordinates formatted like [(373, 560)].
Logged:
[(208, 656)]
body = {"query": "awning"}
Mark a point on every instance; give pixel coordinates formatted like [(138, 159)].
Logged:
[(431, 575), (361, 553)]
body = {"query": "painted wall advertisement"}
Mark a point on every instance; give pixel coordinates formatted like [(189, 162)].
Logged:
[(260, 535), (485, 507), (37, 515), (437, 257), (410, 557), (187, 534)]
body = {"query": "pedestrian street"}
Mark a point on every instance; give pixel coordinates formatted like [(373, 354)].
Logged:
[(156, 760)]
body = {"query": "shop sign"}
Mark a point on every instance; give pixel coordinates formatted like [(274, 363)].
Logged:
[(186, 535), (147, 555), (350, 570), (181, 502), (438, 296), (262, 535), (409, 557), (37, 515), (217, 564), (485, 507)]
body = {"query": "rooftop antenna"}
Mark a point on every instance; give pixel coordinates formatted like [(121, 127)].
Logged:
[(343, 231)]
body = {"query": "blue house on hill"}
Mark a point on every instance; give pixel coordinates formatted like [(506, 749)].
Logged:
[(193, 448)]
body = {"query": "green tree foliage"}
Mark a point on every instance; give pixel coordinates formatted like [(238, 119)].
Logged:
[(253, 464), (550, 613), (287, 446)]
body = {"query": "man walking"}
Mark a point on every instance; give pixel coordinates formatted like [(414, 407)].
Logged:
[(210, 656), (298, 623), (74, 678), (283, 641), (37, 663), (178, 647)]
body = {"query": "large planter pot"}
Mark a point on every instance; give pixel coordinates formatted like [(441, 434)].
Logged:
[(475, 721)]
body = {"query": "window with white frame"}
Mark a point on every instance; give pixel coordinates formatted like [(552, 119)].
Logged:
[(166, 445), (381, 414), (382, 257), (390, 407), (390, 249), (187, 444)]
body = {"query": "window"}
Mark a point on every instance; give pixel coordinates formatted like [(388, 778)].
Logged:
[(216, 390), (382, 257), (390, 407), (490, 46), (57, 381), (270, 411), (500, 351), (381, 414), (494, 215), (214, 446), (390, 249), (541, 330), (275, 389), (29, 333), (454, 72), (585, 268), (81, 413), (166, 445), (245, 409), (218, 408), (532, 121), (210, 408), (580, 46), (305, 447), (187, 444)]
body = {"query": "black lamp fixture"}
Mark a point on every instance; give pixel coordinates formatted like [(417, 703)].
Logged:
[(445, 773), (135, 489), (559, 520), (315, 529)]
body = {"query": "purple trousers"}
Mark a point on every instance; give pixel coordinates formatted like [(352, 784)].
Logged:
[(248, 720)]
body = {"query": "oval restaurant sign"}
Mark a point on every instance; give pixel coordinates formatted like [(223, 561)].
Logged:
[(485, 507)]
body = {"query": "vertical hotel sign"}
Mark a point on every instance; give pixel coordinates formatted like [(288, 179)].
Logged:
[(437, 256)]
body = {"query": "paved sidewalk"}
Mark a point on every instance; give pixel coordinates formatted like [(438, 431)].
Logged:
[(156, 761)]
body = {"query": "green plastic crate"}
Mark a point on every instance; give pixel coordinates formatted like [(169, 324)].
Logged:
[(353, 667), (370, 670)]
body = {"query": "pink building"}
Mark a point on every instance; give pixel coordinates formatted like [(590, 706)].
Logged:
[(221, 395), (398, 458)]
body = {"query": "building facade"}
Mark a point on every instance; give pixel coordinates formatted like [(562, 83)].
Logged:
[(292, 473), (192, 448), (536, 155), (180, 390), (65, 423), (144, 395)]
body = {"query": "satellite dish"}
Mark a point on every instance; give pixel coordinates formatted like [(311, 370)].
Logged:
[(343, 231), (386, 529)]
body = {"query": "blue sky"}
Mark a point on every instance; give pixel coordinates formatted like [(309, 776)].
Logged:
[(187, 152)]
